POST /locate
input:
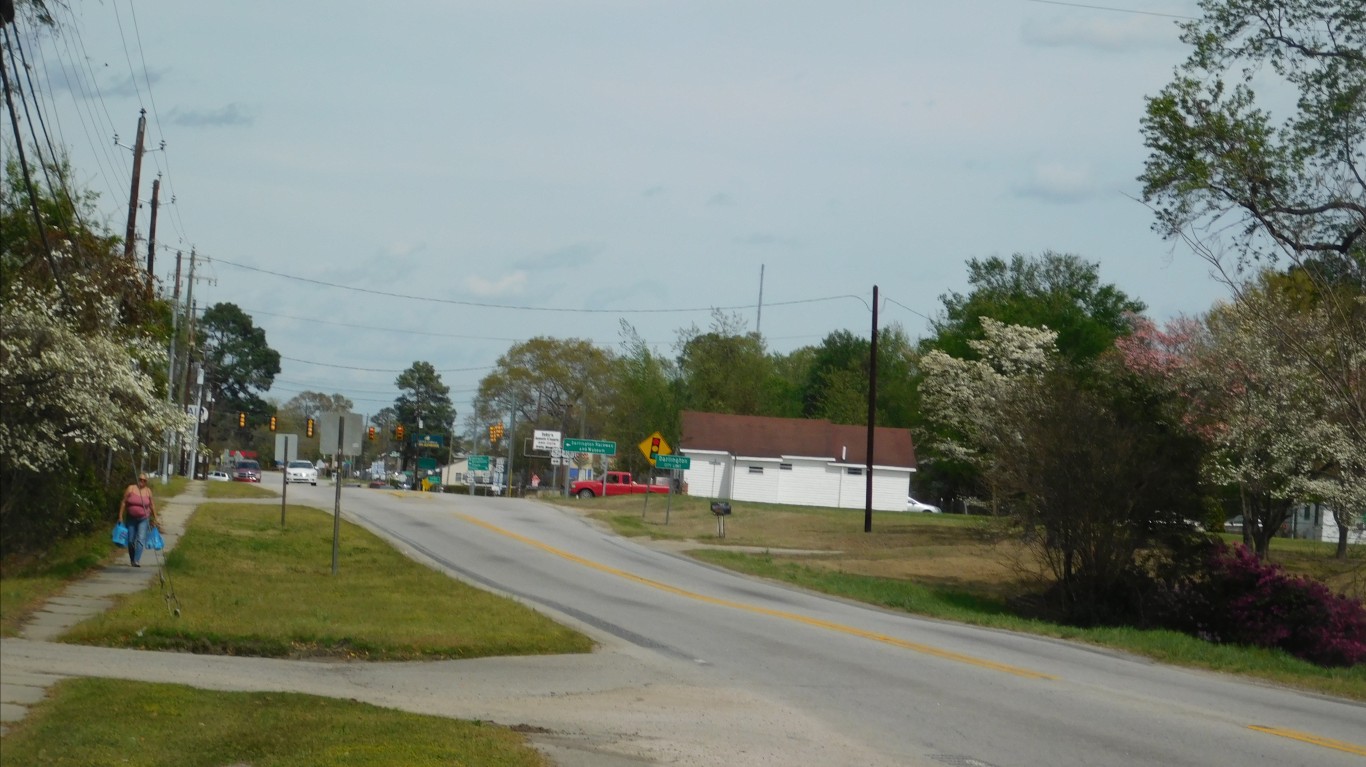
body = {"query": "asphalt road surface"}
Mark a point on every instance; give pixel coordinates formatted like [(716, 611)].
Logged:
[(779, 676)]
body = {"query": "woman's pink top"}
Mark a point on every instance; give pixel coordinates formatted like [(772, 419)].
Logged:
[(138, 503)]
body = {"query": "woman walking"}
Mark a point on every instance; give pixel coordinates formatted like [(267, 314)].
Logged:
[(141, 511)]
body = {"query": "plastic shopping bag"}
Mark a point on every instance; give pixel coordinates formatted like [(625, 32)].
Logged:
[(154, 541), (120, 534)]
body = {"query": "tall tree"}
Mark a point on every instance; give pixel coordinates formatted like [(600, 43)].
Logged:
[(837, 379), (1059, 291), (424, 402), (239, 367), (1245, 190), (644, 399), (1220, 163), (724, 370), (1073, 461), (561, 384)]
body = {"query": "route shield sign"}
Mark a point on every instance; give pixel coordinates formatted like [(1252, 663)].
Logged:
[(479, 463), (594, 446), (669, 462)]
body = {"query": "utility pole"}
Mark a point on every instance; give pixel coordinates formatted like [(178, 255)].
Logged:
[(872, 422), (130, 240), (189, 330), (152, 232)]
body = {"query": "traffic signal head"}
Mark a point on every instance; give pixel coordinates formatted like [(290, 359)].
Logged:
[(272, 423), (242, 420), (372, 434), (654, 447), (398, 432), (308, 428)]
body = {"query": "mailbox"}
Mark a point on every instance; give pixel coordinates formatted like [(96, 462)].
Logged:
[(720, 508)]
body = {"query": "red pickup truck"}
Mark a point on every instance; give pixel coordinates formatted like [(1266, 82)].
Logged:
[(617, 483)]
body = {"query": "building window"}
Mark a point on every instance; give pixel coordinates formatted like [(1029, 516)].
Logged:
[(785, 467), (854, 471), (756, 470)]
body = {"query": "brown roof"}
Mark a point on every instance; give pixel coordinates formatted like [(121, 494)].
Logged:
[(764, 437)]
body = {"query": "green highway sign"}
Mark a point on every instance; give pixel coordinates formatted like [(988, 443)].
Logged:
[(667, 462), (595, 446), (479, 463)]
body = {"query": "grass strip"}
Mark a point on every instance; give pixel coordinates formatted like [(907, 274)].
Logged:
[(247, 587), (105, 721)]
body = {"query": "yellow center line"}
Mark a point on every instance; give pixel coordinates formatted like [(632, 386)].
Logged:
[(1304, 737), (783, 614)]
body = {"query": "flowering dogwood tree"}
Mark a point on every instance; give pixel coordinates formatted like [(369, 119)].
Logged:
[(63, 387)]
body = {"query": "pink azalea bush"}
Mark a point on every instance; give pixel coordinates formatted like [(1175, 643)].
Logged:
[(1244, 600)]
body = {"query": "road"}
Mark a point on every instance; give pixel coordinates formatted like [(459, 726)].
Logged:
[(816, 680)]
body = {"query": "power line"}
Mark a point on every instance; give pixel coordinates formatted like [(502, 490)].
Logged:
[(520, 307), (382, 370), (1112, 9)]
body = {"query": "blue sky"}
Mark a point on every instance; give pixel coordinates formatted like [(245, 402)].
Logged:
[(593, 162)]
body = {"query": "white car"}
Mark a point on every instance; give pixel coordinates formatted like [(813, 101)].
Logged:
[(219, 476), (301, 471), (914, 505)]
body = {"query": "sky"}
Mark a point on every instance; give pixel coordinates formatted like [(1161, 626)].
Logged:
[(438, 180)]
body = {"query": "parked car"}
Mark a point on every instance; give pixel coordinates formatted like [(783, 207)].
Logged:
[(1234, 524), (301, 471), (928, 508), (219, 476), (247, 471)]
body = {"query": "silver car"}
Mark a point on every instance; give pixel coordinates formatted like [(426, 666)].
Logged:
[(301, 471)]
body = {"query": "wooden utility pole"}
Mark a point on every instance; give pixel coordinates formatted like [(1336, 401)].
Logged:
[(130, 240), (152, 233), (872, 422)]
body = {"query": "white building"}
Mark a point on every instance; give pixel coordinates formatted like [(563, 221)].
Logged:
[(794, 461), (1316, 522)]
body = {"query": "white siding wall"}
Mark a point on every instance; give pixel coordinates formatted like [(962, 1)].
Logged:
[(810, 481), (761, 487), (709, 475)]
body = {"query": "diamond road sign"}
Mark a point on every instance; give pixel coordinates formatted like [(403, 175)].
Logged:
[(667, 462), (595, 446), (479, 463)]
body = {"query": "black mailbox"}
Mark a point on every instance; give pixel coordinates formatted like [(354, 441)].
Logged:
[(720, 508)]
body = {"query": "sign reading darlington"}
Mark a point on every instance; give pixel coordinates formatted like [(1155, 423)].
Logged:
[(595, 446)]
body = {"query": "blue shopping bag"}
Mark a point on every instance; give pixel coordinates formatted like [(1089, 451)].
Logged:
[(154, 541), (120, 534)]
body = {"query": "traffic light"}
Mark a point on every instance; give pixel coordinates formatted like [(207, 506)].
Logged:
[(654, 448), (372, 434), (495, 432), (272, 423), (308, 428), (241, 420), (398, 432)]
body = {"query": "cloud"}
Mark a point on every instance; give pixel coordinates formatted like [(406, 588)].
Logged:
[(653, 191), (1055, 182), (1112, 35), (232, 114), (721, 200), (509, 284), (763, 240), (576, 255)]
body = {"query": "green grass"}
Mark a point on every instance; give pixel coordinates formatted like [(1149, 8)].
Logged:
[(107, 721), (29, 580), (246, 587), (231, 490)]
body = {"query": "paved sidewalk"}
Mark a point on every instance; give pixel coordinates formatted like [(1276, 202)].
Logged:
[(89, 597)]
